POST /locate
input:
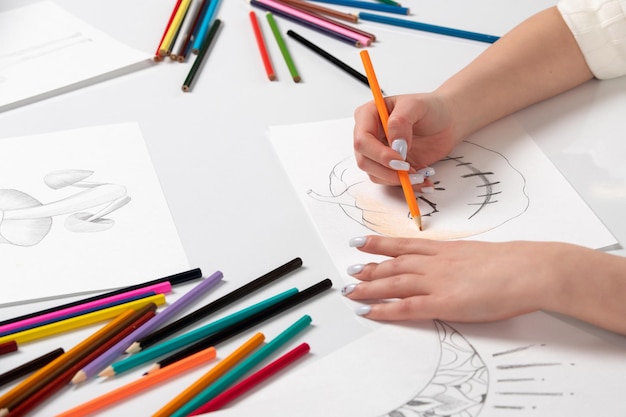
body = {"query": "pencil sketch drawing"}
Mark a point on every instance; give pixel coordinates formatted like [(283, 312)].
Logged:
[(14, 58), (25, 221), (480, 191), (460, 384)]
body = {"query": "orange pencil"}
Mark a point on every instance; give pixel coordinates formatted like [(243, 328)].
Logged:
[(409, 195), (215, 372), (54, 369), (141, 384)]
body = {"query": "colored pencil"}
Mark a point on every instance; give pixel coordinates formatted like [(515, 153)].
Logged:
[(106, 358), (30, 366), (174, 280), (359, 37), (63, 379), (174, 28), (184, 30), (141, 384), (243, 367), (204, 27), (249, 322), (441, 30), (205, 380), (192, 336), (385, 8), (253, 380), (407, 188), (214, 306), (80, 321), (58, 315), (265, 56), (330, 58), (283, 48), (8, 346), (188, 36), (40, 378), (197, 63), (157, 56), (390, 2), (348, 17)]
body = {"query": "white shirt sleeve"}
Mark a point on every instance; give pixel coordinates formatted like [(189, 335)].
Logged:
[(599, 27)]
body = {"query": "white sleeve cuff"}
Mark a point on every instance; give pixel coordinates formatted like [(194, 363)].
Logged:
[(599, 27)]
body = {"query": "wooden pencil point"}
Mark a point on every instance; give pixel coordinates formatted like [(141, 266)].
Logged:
[(79, 377), (107, 372), (418, 222), (134, 348)]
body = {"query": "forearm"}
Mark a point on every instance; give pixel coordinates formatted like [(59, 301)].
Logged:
[(536, 60)]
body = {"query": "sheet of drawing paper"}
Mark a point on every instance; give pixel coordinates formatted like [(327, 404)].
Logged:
[(82, 210), (534, 364), (47, 51), (495, 186)]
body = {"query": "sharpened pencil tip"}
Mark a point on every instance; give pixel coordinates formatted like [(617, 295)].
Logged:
[(154, 368), (107, 372), (134, 348), (79, 377), (418, 222)]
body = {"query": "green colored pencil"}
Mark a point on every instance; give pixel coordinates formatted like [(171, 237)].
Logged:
[(197, 63), (283, 48)]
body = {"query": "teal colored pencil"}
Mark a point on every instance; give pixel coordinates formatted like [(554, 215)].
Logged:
[(244, 366), (185, 339), (283, 48)]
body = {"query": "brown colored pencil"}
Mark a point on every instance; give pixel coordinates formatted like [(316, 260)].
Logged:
[(30, 366), (56, 368), (8, 347)]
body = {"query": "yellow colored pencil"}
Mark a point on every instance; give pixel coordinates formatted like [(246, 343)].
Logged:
[(409, 195), (168, 40), (141, 384), (214, 373), (80, 321)]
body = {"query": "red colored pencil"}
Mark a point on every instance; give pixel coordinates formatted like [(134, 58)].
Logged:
[(253, 380), (157, 54), (267, 63), (8, 347)]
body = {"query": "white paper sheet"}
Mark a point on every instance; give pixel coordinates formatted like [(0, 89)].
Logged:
[(46, 51), (82, 210)]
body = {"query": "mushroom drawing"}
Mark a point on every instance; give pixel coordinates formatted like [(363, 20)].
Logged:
[(25, 221)]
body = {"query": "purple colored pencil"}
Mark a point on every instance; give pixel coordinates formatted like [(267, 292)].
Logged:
[(158, 320)]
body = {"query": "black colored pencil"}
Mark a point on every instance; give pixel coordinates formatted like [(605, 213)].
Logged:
[(340, 64), (245, 324), (175, 279), (30, 366), (214, 306), (197, 63)]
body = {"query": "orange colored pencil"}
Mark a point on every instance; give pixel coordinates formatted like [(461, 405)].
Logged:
[(157, 54), (409, 195), (39, 379), (265, 56), (141, 384), (215, 372)]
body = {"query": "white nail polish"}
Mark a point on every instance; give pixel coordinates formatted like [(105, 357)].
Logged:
[(355, 269), (427, 190), (399, 165), (416, 178), (357, 242), (426, 172), (363, 310), (348, 289), (400, 146)]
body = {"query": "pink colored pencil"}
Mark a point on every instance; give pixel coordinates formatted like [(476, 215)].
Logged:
[(324, 23), (161, 288), (253, 380)]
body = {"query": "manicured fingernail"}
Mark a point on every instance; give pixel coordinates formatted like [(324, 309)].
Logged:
[(355, 269), (427, 190), (357, 242), (427, 172), (348, 289), (399, 165), (416, 178), (400, 146), (363, 310)]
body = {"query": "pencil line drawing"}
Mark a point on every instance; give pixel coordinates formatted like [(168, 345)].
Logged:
[(20, 56), (25, 221), (475, 198)]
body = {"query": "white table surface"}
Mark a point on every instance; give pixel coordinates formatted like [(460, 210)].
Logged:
[(234, 209)]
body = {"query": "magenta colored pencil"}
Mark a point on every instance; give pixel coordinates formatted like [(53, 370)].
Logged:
[(253, 380), (160, 288)]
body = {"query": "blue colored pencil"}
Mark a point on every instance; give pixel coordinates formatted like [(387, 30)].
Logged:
[(441, 30), (205, 24), (385, 8)]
